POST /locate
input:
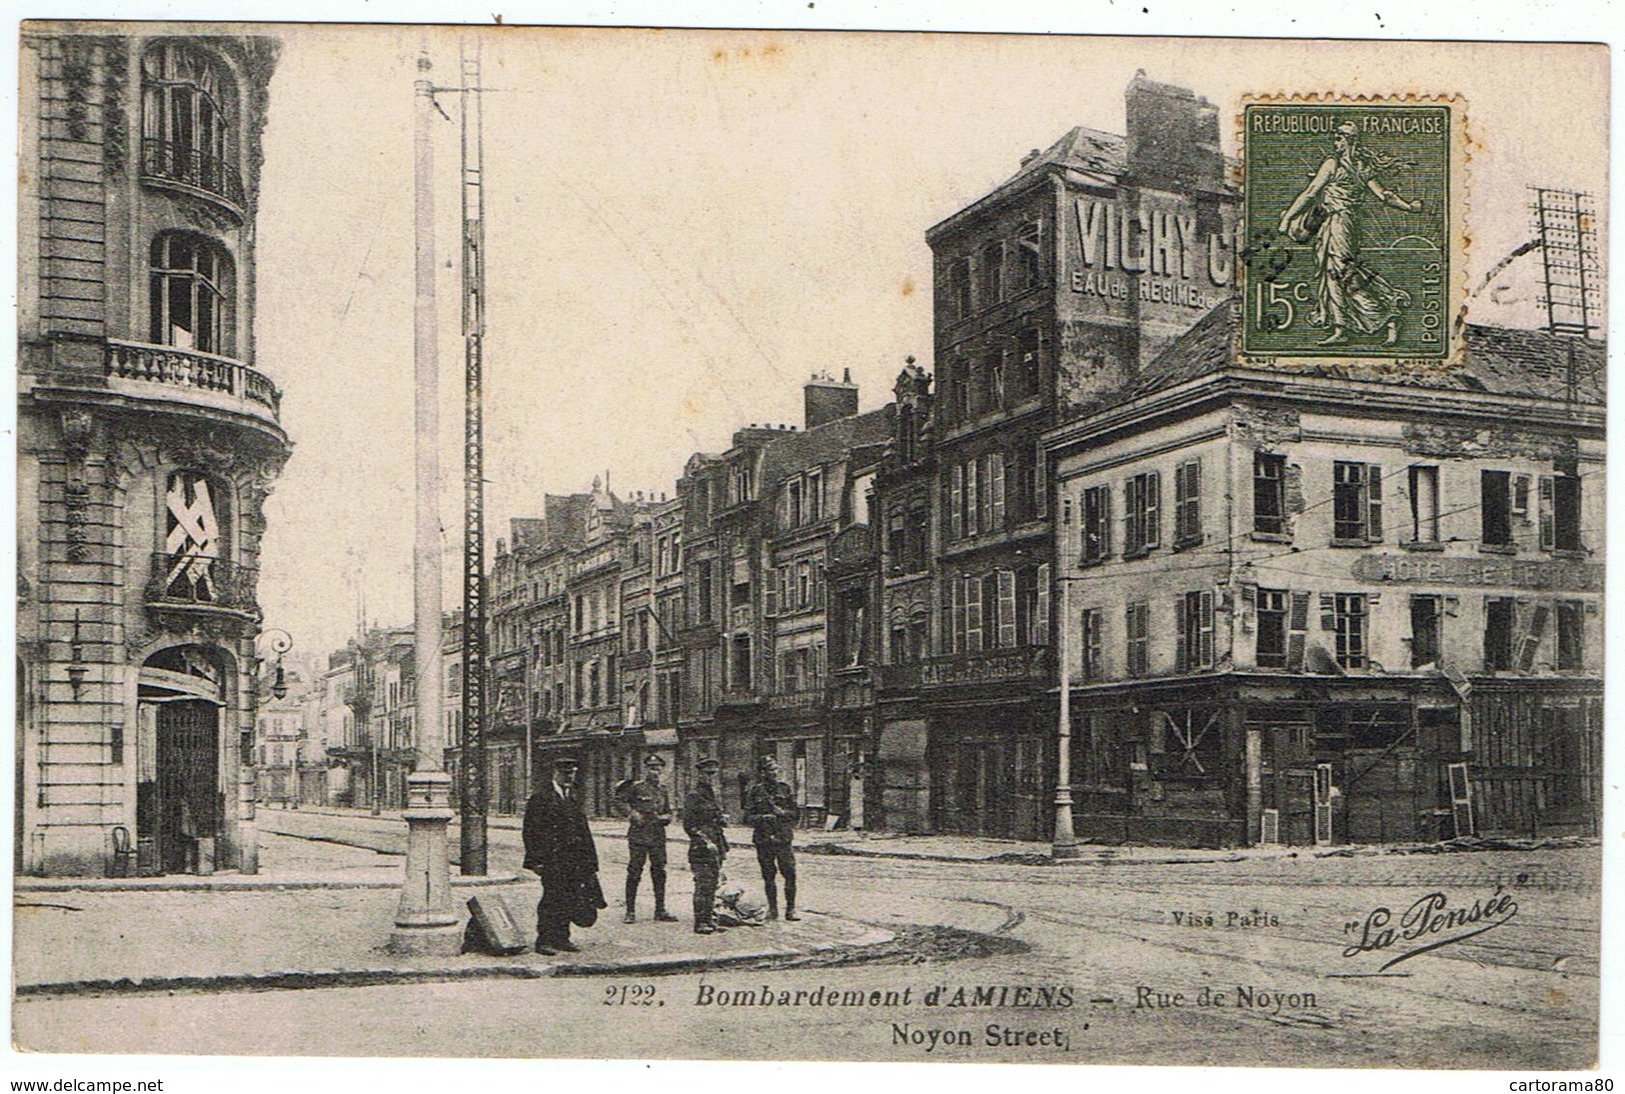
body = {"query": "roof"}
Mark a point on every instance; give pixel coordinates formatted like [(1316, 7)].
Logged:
[(1498, 360), (1081, 149), (795, 452)]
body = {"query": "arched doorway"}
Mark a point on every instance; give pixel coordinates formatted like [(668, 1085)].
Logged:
[(179, 804)]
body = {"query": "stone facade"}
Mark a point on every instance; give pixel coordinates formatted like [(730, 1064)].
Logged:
[(147, 446)]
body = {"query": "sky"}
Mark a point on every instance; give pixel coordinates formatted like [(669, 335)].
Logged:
[(683, 225)]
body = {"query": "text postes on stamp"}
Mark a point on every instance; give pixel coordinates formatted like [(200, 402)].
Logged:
[(1352, 231)]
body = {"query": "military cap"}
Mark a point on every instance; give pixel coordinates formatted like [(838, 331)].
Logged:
[(566, 761), (654, 759), (708, 763)]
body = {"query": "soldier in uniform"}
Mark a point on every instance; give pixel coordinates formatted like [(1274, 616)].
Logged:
[(648, 810), (770, 809), (703, 820), (559, 847)]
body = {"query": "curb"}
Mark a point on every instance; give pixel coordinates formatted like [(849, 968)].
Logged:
[(376, 977), (232, 884)]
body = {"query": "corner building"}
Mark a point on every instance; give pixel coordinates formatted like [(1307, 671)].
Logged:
[(1051, 291), (1318, 607), (147, 444)]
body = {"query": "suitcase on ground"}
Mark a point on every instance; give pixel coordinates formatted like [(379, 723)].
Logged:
[(492, 928)]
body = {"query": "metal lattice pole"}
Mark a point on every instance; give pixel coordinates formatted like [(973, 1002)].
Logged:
[(473, 839)]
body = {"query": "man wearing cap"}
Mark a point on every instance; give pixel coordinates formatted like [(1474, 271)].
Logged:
[(707, 845), (648, 809), (559, 847), (770, 809)]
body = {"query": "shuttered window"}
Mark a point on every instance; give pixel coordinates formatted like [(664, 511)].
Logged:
[(1188, 503)]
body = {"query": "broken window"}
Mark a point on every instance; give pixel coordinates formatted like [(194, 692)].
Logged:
[(191, 293), (1272, 620), (991, 288), (1349, 624), (1495, 508), (1269, 493), (1499, 613), (1195, 619), (1426, 630), (1570, 635), (1356, 503), (959, 287), (1029, 255), (1424, 504)]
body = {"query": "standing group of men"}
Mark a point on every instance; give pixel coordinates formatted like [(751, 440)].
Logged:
[(559, 846)]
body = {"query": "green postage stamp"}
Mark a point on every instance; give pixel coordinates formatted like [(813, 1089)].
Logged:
[(1353, 241)]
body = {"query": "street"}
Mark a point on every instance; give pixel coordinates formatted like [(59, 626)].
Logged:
[(1252, 959)]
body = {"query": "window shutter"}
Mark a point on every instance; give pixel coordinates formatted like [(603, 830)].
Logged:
[(1132, 540), (956, 501), (1297, 630), (1041, 624), (770, 594), (1520, 496), (1529, 644), (973, 614), (1182, 624), (1328, 612), (1187, 502), (956, 606), (1548, 535), (1007, 608), (1373, 527), (1041, 483), (1105, 521), (1207, 630), (971, 514), (1153, 509), (995, 475)]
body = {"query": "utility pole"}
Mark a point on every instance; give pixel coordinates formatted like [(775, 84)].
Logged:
[(1066, 842), (473, 838), (426, 922)]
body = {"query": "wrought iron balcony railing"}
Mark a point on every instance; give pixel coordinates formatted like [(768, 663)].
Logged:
[(165, 161), (185, 368), (200, 581)]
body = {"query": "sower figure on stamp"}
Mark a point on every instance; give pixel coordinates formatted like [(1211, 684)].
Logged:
[(770, 809), (559, 847), (648, 808), (1351, 295), (707, 846)]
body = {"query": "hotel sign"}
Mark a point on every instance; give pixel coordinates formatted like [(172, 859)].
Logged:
[(986, 668), (1553, 574)]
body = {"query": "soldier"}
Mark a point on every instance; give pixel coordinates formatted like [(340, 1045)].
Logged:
[(648, 808), (559, 847), (707, 846), (770, 808)]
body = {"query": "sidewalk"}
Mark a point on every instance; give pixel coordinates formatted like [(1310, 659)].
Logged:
[(320, 914)]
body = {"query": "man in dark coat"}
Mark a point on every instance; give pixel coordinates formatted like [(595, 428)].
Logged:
[(648, 811), (707, 845), (770, 809), (559, 847)]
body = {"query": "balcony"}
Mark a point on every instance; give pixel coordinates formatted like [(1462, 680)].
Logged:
[(164, 372), (796, 700), (199, 583), (173, 165), (1026, 663)]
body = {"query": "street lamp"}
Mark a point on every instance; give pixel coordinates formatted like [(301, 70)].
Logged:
[(1066, 841), (279, 642)]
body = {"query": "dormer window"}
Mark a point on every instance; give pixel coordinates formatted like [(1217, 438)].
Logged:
[(187, 101)]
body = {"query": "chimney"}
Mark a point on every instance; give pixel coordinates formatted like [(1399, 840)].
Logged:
[(1173, 137), (828, 399)]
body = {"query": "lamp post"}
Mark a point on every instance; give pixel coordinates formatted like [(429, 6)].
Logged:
[(426, 921), (1066, 842), (280, 642)]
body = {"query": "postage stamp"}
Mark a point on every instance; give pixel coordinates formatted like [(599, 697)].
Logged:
[(1353, 222)]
